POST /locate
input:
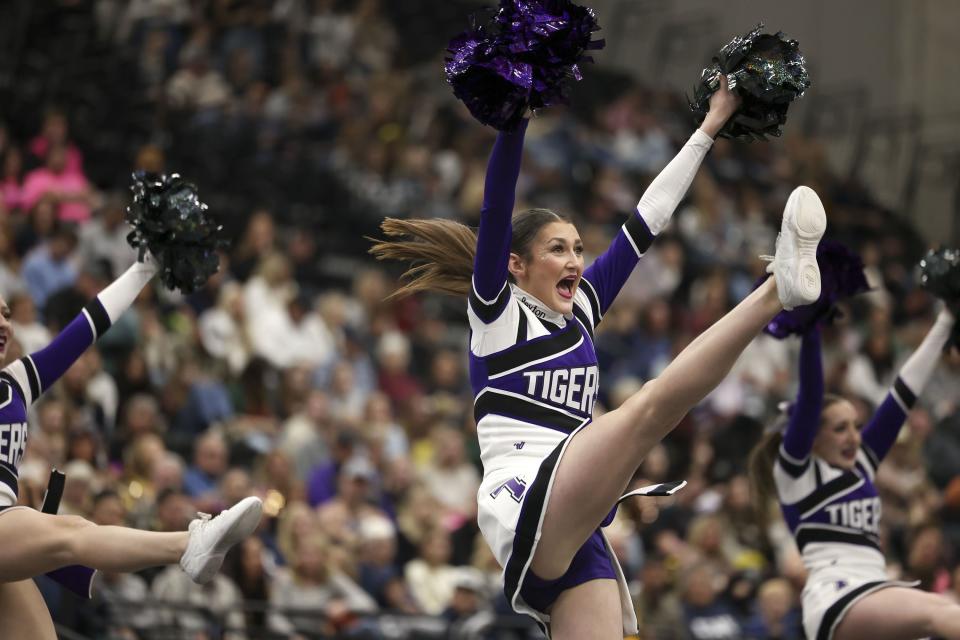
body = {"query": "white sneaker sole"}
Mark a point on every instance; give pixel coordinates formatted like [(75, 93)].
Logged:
[(808, 221)]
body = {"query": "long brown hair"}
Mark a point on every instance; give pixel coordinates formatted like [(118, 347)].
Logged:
[(441, 252), (762, 458)]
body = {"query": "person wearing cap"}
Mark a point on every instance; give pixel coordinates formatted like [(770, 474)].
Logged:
[(344, 515)]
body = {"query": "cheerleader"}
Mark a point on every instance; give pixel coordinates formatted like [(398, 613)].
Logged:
[(553, 475), (822, 469), (35, 543)]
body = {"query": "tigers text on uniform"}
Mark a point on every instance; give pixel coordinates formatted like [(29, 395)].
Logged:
[(575, 387)]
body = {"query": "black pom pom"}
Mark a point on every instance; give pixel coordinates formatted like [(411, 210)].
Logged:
[(169, 220), (521, 57), (767, 71), (940, 275)]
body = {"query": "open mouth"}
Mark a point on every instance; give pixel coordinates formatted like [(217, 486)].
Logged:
[(849, 453), (566, 287)]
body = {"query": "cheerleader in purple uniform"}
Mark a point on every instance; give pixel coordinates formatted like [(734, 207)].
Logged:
[(34, 543), (822, 469), (552, 474)]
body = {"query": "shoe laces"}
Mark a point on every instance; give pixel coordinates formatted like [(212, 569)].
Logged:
[(768, 258), (201, 520)]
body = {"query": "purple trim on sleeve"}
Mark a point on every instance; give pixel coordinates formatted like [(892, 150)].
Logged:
[(612, 268), (493, 239), (53, 360), (805, 417)]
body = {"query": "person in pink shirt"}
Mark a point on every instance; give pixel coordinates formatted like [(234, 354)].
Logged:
[(70, 190), (54, 132)]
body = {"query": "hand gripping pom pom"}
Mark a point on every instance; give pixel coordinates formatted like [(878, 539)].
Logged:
[(171, 223), (767, 71), (841, 274), (940, 275), (520, 58)]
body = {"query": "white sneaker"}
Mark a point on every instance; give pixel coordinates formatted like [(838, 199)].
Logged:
[(211, 538), (795, 264)]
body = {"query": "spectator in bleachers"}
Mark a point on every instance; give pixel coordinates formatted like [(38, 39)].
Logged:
[(777, 616), (342, 517), (211, 459), (449, 476), (707, 615), (55, 132), (197, 610), (326, 599), (196, 85), (69, 189), (250, 567), (431, 578), (32, 335), (104, 237), (49, 267)]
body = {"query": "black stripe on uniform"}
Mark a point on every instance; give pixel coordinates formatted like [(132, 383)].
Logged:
[(9, 379), (828, 491), (538, 349), (903, 392), (795, 470), (594, 300), (581, 315), (9, 478), (486, 312), (806, 535), (527, 524), (638, 231), (33, 377), (871, 456), (521, 326), (101, 320), (513, 407), (833, 614), (549, 326)]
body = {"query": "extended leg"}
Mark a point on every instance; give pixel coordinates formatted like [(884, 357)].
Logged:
[(601, 459), (899, 613)]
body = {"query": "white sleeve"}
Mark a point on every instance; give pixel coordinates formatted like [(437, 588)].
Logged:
[(120, 294), (918, 368), (661, 198)]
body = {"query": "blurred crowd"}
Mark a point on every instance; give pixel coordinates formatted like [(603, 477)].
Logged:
[(292, 376)]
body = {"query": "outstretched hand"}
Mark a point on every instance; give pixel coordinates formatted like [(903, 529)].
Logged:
[(723, 104)]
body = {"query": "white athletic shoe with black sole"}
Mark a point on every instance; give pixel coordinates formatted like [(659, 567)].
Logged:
[(211, 538), (795, 264)]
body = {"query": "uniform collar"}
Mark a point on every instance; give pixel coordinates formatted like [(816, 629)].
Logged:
[(539, 309)]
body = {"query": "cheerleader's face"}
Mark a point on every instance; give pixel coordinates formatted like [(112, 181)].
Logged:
[(552, 270), (6, 329), (838, 440)]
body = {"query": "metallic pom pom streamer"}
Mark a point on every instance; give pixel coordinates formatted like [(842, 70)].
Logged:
[(940, 275), (767, 71), (169, 220), (521, 57)]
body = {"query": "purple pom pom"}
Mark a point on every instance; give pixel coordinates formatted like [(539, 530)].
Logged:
[(522, 58), (841, 276)]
